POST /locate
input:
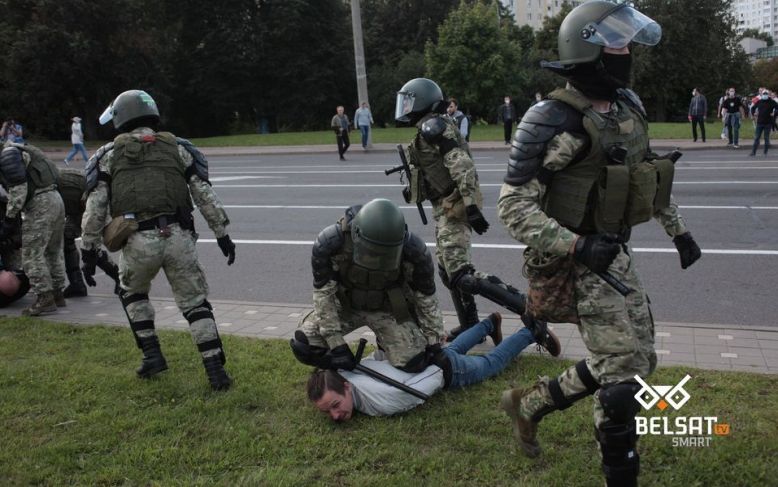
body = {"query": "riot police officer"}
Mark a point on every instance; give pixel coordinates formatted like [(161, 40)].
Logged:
[(149, 179), (580, 176)]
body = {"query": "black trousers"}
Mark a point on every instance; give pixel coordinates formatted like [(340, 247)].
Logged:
[(343, 143), (508, 125), (695, 121)]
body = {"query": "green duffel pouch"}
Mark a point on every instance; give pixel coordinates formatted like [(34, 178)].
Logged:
[(116, 233)]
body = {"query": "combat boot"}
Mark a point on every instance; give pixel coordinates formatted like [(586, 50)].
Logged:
[(217, 376), (59, 299), (44, 303), (153, 360), (525, 430), (543, 336), (76, 288)]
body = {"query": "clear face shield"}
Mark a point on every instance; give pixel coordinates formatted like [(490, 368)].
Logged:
[(377, 257), (404, 106), (621, 26), (107, 115)]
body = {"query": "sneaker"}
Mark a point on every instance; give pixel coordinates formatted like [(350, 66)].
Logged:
[(496, 334), (67, 163), (723, 137), (736, 146), (751, 154), (525, 431)]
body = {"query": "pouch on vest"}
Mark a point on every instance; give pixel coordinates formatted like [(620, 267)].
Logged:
[(551, 293), (116, 233), (416, 187), (612, 191), (642, 191), (665, 172)]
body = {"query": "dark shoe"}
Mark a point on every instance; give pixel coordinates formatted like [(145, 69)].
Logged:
[(751, 155), (153, 360), (542, 335), (59, 299), (342, 158), (217, 376), (525, 431), (496, 334), (44, 303), (75, 290)]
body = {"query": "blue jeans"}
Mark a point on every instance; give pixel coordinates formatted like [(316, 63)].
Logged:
[(733, 127), (77, 148), (472, 369), (365, 129), (758, 134)]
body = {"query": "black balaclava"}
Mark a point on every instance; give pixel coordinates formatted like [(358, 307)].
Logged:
[(601, 79)]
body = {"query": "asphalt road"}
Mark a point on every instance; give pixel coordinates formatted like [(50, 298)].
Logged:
[(279, 203)]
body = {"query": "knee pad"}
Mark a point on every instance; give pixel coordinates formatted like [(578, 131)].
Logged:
[(128, 298), (619, 403), (201, 311), (204, 311), (620, 459), (561, 401)]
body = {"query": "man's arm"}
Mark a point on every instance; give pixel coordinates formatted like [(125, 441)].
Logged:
[(465, 128), (671, 220), (419, 269), (325, 285), (203, 195), (95, 217)]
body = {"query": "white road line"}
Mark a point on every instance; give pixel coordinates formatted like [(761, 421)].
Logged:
[(341, 207), (483, 185), (645, 250), (237, 178)]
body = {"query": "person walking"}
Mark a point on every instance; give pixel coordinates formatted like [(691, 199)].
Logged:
[(698, 111), (77, 139), (765, 111), (341, 125), (364, 119), (506, 113)]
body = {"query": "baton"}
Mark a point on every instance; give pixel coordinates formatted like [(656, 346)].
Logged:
[(381, 377), (619, 286)]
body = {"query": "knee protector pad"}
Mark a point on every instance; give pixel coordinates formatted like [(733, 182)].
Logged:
[(204, 311), (620, 459), (562, 401), (619, 403)]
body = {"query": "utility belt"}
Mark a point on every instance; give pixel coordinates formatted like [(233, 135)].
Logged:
[(162, 221)]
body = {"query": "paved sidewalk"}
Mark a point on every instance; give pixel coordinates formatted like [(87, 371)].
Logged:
[(718, 347)]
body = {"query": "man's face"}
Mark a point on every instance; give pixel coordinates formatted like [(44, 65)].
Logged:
[(507, 100), (731, 93), (339, 407), (452, 107), (340, 110)]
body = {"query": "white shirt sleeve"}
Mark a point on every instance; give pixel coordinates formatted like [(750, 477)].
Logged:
[(464, 129)]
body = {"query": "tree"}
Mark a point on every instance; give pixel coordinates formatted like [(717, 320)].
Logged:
[(757, 34), (473, 59), (766, 74)]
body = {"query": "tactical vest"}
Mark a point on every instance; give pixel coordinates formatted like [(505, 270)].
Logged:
[(615, 186), (41, 172), (363, 289), (426, 158), (147, 176), (72, 184)]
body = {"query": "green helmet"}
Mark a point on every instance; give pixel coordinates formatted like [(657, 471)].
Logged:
[(378, 233), (130, 105), (417, 98), (593, 25)]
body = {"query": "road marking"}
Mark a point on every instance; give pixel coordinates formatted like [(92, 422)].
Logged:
[(483, 185), (642, 250), (343, 207), (235, 178)]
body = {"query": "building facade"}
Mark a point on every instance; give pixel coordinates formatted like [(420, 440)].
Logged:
[(761, 15), (532, 12)]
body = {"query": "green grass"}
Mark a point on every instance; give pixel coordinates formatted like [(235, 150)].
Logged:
[(403, 135), (73, 413)]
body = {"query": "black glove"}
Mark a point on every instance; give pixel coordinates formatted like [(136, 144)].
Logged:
[(341, 357), (687, 249), (597, 251), (8, 228), (228, 248), (476, 219), (89, 259)]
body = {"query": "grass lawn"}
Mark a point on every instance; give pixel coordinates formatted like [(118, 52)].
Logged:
[(73, 413), (404, 135)]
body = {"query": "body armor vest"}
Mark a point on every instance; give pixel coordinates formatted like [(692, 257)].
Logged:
[(615, 186), (427, 159), (147, 176), (72, 184), (364, 289), (41, 172)]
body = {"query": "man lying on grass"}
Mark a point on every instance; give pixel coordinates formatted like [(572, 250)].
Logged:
[(339, 393)]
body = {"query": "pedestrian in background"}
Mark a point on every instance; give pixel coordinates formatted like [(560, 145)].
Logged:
[(77, 139), (12, 132), (340, 124), (506, 114), (363, 119), (764, 112), (732, 111), (460, 119), (538, 98), (698, 111)]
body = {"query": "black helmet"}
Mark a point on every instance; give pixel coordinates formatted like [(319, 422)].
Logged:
[(378, 232), (417, 98)]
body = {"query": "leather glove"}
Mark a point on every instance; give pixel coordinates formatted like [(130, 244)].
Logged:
[(687, 249), (476, 219), (8, 228), (597, 252), (227, 247), (341, 357), (89, 259)]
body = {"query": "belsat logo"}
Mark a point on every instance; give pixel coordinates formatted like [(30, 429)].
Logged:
[(686, 430)]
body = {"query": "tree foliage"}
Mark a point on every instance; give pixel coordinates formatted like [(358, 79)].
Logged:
[(766, 74), (757, 34)]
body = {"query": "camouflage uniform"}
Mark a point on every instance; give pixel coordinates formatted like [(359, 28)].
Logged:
[(43, 218), (618, 331), (148, 251)]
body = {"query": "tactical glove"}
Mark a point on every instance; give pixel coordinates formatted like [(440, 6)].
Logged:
[(8, 228), (227, 247), (341, 357), (687, 249), (89, 259), (597, 252), (476, 219)]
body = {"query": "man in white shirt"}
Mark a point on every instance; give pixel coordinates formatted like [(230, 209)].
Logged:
[(77, 139), (339, 394)]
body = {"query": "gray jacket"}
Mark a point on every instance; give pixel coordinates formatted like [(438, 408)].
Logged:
[(698, 107)]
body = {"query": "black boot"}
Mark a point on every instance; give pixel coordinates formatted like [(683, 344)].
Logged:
[(217, 376), (75, 289), (153, 360), (543, 336), (468, 315)]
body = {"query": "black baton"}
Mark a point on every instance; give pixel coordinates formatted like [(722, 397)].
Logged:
[(619, 286), (381, 377)]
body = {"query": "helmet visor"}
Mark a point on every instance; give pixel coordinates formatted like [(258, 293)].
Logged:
[(404, 106), (107, 115), (622, 26), (377, 257)]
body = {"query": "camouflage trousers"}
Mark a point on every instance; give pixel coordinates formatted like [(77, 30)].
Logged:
[(618, 331), (401, 341), (42, 228), (142, 257), (72, 256), (452, 239)]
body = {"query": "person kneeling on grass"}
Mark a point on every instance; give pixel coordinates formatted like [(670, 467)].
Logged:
[(339, 393)]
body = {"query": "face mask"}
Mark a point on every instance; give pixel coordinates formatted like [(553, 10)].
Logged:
[(694, 94), (507, 101), (731, 93), (764, 96)]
